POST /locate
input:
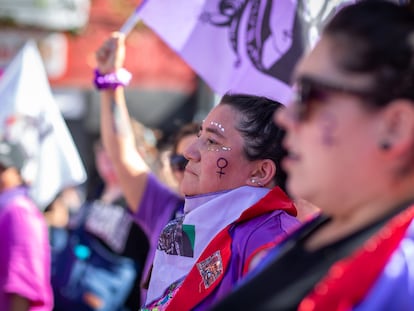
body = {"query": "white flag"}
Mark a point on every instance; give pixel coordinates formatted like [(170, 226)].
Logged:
[(29, 114), (244, 46)]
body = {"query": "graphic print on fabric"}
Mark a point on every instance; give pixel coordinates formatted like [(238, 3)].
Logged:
[(111, 223), (177, 238), (273, 34), (210, 269)]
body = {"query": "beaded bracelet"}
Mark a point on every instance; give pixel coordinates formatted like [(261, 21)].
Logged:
[(112, 80)]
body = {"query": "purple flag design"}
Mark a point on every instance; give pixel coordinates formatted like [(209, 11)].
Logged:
[(245, 46)]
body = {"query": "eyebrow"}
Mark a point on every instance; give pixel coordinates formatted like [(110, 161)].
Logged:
[(214, 131)]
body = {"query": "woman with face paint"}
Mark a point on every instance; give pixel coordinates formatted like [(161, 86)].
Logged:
[(350, 137), (234, 202), (234, 206)]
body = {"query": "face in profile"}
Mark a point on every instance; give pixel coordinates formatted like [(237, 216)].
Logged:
[(329, 132), (216, 159)]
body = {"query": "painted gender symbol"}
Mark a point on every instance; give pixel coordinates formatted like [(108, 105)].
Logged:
[(221, 163)]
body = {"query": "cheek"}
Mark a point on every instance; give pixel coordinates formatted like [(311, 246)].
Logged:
[(221, 165), (179, 176), (327, 128), (215, 167)]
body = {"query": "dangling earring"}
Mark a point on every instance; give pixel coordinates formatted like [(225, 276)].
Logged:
[(385, 145)]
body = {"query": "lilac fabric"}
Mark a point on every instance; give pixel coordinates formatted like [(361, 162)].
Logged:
[(158, 206), (205, 216), (247, 238), (394, 289), (24, 251)]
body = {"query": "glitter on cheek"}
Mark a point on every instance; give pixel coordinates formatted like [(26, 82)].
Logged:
[(218, 148)]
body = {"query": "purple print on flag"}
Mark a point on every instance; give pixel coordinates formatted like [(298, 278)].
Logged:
[(265, 42), (275, 35), (30, 115), (245, 46)]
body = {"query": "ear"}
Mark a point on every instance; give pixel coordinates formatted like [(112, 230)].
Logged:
[(398, 127), (263, 174)]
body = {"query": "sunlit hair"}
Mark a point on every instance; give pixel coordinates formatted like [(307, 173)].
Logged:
[(262, 138), (376, 39)]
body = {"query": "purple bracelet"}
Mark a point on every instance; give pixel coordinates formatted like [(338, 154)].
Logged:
[(112, 80)]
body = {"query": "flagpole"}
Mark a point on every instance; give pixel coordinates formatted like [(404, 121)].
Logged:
[(132, 20)]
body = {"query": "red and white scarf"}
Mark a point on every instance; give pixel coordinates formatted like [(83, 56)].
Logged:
[(208, 215)]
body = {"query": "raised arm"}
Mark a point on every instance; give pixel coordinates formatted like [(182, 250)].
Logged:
[(116, 132)]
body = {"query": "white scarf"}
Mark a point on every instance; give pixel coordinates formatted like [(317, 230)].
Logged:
[(207, 215)]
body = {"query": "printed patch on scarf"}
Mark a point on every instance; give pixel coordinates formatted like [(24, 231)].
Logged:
[(210, 269), (177, 238), (163, 302)]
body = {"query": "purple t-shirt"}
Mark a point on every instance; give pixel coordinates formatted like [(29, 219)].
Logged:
[(246, 239), (158, 206), (24, 251)]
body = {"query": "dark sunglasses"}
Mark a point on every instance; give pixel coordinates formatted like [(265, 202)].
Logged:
[(178, 162), (309, 90)]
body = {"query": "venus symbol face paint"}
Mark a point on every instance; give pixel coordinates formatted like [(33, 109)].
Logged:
[(217, 160)]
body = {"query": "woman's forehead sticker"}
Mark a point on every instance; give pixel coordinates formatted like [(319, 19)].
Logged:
[(218, 125)]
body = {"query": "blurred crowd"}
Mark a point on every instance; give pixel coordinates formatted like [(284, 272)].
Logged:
[(306, 205)]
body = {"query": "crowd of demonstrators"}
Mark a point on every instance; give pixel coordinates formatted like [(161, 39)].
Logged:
[(350, 136), (233, 200), (24, 243), (66, 202), (231, 237), (116, 246), (98, 257), (153, 203)]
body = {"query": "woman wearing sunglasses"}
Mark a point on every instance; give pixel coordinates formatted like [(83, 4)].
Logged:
[(176, 159), (350, 137), (233, 202)]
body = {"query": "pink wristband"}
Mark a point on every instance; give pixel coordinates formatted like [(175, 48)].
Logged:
[(112, 80)]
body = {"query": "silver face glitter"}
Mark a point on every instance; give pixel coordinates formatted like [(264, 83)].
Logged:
[(211, 145), (218, 125), (218, 148)]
